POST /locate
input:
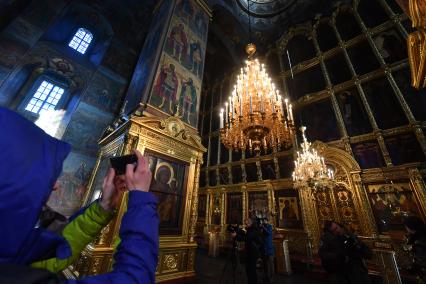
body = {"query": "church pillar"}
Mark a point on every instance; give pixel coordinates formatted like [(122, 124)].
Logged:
[(367, 218), (309, 213), (160, 118), (419, 186)]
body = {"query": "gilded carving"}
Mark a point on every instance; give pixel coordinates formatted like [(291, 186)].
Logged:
[(171, 261)]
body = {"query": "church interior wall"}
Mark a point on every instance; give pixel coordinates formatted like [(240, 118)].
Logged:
[(35, 44), (349, 81)]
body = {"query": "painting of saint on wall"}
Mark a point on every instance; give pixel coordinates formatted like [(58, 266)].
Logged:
[(234, 208), (346, 208), (390, 204), (353, 113), (389, 44), (177, 42), (72, 184), (202, 206), (193, 16), (368, 154), (144, 68), (168, 184), (185, 48), (289, 215), (176, 91), (324, 208), (83, 136), (105, 91)]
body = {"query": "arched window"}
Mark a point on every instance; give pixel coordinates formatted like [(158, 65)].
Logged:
[(81, 40), (46, 97)]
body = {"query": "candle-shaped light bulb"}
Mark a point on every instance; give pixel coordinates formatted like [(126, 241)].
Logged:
[(291, 112), (231, 107), (221, 118), (226, 112), (286, 105), (281, 104)]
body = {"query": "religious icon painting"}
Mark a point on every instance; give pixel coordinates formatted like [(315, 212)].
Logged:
[(176, 91), (258, 202), (169, 185), (202, 206), (289, 215), (177, 43), (390, 204), (234, 208)]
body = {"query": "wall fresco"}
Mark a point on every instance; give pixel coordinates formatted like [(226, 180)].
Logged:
[(179, 76), (105, 91), (175, 86), (141, 79), (72, 183), (81, 134)]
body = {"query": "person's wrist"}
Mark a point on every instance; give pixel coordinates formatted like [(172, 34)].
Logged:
[(106, 205)]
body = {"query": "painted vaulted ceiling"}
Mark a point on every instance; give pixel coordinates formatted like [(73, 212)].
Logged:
[(270, 18)]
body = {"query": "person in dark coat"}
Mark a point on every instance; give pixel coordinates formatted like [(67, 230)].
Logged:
[(253, 243), (342, 255), (417, 240), (31, 162)]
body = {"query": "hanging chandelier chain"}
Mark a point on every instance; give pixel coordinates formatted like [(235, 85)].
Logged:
[(248, 14)]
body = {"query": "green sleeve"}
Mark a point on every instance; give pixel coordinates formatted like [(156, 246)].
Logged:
[(79, 233)]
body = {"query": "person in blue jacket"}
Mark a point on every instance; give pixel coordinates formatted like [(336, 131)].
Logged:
[(30, 163), (268, 251)]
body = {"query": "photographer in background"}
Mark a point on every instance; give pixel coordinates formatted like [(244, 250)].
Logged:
[(417, 240), (237, 235), (342, 255), (253, 243)]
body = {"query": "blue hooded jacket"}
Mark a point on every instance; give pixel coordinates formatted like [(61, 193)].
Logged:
[(31, 161)]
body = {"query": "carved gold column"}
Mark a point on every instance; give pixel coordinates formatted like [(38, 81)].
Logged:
[(245, 202), (309, 213), (419, 188), (366, 217), (416, 43), (208, 210), (222, 207)]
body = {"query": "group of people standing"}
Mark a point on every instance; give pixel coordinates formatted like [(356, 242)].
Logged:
[(342, 254)]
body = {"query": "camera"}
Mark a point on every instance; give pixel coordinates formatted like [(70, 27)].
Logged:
[(351, 243), (233, 228)]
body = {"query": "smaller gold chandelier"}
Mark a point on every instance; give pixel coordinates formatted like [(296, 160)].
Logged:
[(255, 116), (310, 170)]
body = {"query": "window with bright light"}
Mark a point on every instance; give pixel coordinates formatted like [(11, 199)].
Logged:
[(81, 40), (45, 98)]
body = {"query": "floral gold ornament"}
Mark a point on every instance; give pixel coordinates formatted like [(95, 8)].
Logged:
[(416, 43)]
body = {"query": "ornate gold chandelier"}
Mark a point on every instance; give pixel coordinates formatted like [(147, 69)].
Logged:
[(310, 170), (255, 116)]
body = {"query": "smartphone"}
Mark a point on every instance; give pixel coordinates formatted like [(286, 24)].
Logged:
[(119, 163)]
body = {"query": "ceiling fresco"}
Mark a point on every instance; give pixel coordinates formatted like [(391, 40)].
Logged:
[(271, 18)]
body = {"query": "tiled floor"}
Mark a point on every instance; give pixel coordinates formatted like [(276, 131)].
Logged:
[(219, 271)]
